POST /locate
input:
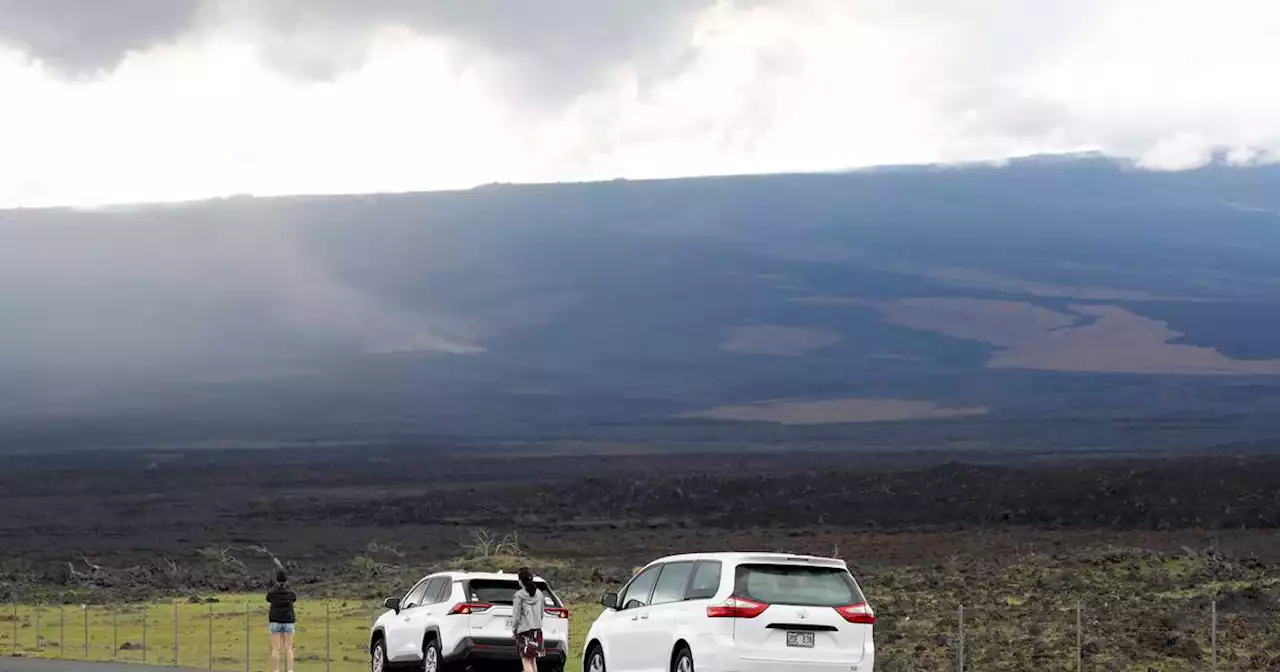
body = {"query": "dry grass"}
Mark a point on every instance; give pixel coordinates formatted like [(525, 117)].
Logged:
[(1115, 340)]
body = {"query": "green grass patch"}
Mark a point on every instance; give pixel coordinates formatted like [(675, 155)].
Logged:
[(219, 636)]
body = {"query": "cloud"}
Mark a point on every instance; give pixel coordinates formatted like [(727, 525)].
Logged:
[(88, 36), (333, 96), (559, 44)]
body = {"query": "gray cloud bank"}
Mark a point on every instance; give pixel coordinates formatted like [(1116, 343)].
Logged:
[(555, 46), (552, 90)]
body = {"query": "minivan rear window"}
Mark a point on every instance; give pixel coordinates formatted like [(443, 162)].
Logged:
[(797, 585), (495, 591)]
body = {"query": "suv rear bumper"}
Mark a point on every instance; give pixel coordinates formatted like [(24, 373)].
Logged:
[(487, 650)]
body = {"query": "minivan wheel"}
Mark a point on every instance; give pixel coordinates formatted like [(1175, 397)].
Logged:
[(595, 660), (378, 657), (683, 661)]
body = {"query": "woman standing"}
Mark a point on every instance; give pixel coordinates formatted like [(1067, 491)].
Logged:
[(283, 621), (526, 620)]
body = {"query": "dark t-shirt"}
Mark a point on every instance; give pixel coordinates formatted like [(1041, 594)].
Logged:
[(281, 599)]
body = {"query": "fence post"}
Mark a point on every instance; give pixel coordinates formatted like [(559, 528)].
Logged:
[(211, 635), (247, 648), (328, 656), (62, 631), (86, 632), (144, 633), (1213, 633), (960, 653), (115, 632), (39, 632), (175, 633), (1079, 640), (15, 625)]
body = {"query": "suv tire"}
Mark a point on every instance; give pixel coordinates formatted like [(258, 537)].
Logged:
[(432, 661), (378, 657)]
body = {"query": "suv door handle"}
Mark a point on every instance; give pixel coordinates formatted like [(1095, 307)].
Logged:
[(645, 616)]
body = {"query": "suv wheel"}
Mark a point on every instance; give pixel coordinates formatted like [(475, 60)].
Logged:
[(683, 661), (378, 657), (595, 660), (431, 657)]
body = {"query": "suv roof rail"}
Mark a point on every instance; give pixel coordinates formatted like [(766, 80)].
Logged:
[(797, 559)]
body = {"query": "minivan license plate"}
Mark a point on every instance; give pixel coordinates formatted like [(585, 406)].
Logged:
[(803, 640)]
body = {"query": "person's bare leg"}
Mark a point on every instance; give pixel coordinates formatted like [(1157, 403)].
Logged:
[(275, 651), (530, 664), (288, 649)]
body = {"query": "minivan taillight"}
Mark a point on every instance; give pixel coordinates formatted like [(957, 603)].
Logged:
[(736, 607), (467, 608), (858, 613), (556, 612)]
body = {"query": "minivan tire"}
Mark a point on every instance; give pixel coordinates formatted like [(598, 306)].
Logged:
[(595, 652), (683, 661)]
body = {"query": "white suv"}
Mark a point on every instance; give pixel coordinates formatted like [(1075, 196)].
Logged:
[(462, 620), (735, 612)]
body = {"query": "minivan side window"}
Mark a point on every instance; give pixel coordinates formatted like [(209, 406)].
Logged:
[(672, 582), (637, 594), (706, 581)]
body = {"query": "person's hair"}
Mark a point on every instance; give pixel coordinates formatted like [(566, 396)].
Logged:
[(526, 580), (281, 577)]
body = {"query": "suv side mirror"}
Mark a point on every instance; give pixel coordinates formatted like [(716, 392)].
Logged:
[(609, 601), (393, 603)]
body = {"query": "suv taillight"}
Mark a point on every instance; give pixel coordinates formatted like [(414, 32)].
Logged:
[(557, 612), (736, 607), (467, 608), (858, 613)]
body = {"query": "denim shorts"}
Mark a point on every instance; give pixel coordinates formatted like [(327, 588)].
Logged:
[(282, 628)]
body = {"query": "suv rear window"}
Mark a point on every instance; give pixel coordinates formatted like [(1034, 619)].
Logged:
[(494, 591), (797, 585)]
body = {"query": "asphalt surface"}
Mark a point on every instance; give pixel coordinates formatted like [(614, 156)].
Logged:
[(33, 665)]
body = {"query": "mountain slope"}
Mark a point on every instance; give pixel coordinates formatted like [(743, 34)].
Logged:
[(969, 297)]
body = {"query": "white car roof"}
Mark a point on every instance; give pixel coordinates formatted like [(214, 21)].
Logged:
[(495, 576), (738, 558)]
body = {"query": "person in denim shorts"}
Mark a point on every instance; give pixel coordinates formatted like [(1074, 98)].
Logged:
[(283, 620)]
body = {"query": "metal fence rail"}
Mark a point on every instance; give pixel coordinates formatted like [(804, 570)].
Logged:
[(332, 634), (1190, 634), (1185, 635)]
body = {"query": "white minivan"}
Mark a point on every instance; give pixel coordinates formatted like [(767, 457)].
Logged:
[(735, 612)]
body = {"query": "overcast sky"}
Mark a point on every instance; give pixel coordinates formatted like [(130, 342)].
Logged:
[(108, 101)]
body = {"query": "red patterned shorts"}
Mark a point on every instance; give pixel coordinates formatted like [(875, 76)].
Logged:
[(529, 644)]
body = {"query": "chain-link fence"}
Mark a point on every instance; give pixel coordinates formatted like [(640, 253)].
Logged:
[(1164, 635), (332, 635)]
